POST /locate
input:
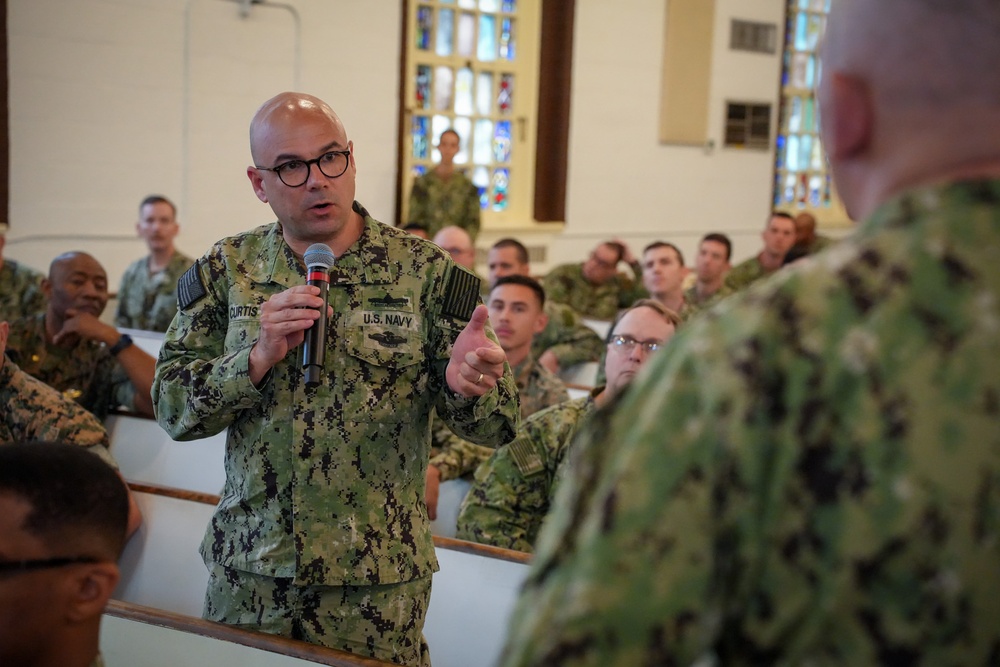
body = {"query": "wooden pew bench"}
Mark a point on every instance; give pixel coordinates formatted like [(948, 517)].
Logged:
[(135, 635), (472, 595)]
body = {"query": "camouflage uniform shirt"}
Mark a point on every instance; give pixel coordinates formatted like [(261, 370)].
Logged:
[(538, 389), (35, 411), (149, 301), (808, 475), (745, 274), (325, 485), (21, 292), (566, 284), (436, 203), (85, 373), (692, 304), (567, 337), (513, 489)]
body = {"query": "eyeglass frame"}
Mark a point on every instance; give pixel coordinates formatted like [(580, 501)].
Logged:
[(309, 163), (19, 566), (626, 343)]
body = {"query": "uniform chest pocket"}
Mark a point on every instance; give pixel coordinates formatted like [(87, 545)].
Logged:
[(383, 374), (241, 333)]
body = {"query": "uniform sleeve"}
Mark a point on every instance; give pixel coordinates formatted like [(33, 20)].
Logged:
[(490, 419), (471, 214), (558, 285), (199, 387), (121, 311), (457, 457), (417, 212), (508, 499), (568, 338)]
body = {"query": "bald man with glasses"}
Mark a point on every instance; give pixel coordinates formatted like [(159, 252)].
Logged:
[(514, 488)]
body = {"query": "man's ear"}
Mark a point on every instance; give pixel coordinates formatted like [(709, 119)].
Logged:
[(541, 323), (89, 591), (257, 181), (849, 118)]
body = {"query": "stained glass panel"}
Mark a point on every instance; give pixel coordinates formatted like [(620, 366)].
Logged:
[(444, 86), (501, 142), (484, 93), (425, 26), (481, 179), (507, 39), (418, 133), (466, 34), (487, 50), (509, 6), (489, 5), (418, 170), (445, 32), (482, 145), (439, 124), (467, 4), (423, 88), (464, 128), (505, 98), (501, 179), (463, 92)]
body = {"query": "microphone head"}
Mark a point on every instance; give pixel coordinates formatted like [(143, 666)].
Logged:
[(319, 254)]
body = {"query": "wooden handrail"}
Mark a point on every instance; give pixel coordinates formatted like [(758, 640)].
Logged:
[(439, 542), (258, 640)]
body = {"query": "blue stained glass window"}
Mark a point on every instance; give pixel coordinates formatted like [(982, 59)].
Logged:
[(780, 152), (418, 134), (805, 148), (510, 6), (501, 141), (792, 154), (418, 170), (507, 39), (777, 190), (445, 32), (501, 179), (423, 89), (487, 45), (425, 25), (481, 179), (489, 5)]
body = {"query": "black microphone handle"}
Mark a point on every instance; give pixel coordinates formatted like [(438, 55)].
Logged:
[(314, 345)]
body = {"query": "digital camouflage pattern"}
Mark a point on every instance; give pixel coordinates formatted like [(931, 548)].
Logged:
[(85, 373), (21, 292), (325, 485), (436, 203), (566, 284), (360, 614), (808, 475), (149, 301), (692, 304), (745, 274), (35, 411), (537, 388), (513, 489), (567, 337)]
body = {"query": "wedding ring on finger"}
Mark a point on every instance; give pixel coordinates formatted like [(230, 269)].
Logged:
[(479, 379)]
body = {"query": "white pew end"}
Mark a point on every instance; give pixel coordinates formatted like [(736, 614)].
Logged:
[(450, 497)]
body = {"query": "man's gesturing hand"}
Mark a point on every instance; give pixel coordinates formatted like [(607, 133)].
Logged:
[(476, 361)]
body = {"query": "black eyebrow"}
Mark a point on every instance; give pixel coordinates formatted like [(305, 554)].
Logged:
[(287, 157)]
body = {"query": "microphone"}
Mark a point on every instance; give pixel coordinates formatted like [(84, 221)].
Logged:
[(319, 260)]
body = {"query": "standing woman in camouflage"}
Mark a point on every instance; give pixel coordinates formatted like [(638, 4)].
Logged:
[(321, 533), (444, 196)]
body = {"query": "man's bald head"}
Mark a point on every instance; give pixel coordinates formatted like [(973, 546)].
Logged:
[(282, 109), (457, 242), (908, 94)]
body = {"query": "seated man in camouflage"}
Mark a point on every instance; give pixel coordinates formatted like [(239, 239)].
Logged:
[(21, 292), (807, 241), (515, 486), (595, 288), (710, 269), (566, 340), (147, 296), (68, 348), (35, 411), (516, 313), (779, 236)]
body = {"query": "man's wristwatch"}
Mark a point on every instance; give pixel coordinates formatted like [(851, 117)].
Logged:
[(123, 342)]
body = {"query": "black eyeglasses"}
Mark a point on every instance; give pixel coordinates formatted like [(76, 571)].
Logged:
[(295, 173), (17, 566), (626, 343)]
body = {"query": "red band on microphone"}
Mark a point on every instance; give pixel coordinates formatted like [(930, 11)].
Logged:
[(319, 275)]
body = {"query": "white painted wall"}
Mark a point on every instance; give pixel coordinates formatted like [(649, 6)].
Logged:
[(113, 99)]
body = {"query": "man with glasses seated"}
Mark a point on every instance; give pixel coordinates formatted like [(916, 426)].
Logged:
[(322, 534), (63, 514), (595, 288), (515, 486)]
